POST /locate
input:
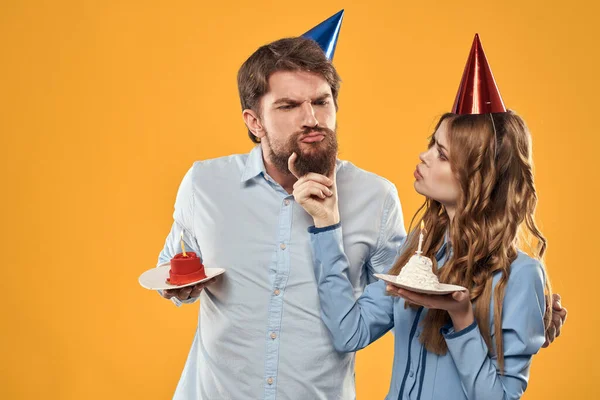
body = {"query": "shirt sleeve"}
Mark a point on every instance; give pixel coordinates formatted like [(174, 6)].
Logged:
[(353, 324), (391, 236), (522, 333), (183, 217)]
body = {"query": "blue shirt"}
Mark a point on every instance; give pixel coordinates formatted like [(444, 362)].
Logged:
[(260, 335), (466, 371)]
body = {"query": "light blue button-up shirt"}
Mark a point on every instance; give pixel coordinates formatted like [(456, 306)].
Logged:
[(466, 371), (260, 335)]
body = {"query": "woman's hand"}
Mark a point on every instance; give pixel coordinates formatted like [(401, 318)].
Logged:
[(458, 304)]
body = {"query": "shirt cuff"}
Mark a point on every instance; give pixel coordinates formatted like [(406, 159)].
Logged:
[(314, 229), (449, 333)]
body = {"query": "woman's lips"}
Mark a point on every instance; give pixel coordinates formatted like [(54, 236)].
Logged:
[(417, 174)]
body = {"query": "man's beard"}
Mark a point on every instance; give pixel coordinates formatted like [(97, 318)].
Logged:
[(321, 159)]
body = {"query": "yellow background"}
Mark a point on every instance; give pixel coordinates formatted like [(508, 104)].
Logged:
[(105, 104)]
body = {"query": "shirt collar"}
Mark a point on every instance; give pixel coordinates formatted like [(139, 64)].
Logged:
[(445, 246), (254, 164)]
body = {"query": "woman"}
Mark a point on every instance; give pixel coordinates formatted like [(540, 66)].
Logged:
[(476, 344)]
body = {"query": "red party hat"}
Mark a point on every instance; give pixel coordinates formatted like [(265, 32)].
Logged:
[(478, 93)]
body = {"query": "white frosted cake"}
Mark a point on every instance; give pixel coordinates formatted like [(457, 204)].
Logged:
[(418, 273)]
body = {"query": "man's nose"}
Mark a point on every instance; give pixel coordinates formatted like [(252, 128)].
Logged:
[(309, 119)]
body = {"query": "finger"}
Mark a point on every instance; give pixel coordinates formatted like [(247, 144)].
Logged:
[(563, 314), (556, 297), (333, 177), (415, 298), (167, 294), (184, 293), (306, 184), (412, 294), (213, 280), (301, 196), (460, 295), (196, 290), (301, 184), (556, 307), (550, 334), (291, 165), (391, 290), (308, 192), (560, 313), (556, 303), (408, 299), (557, 322), (311, 176)]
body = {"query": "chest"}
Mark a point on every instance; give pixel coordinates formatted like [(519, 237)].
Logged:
[(256, 229)]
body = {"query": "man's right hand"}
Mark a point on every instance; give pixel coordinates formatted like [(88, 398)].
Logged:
[(317, 194), (187, 292)]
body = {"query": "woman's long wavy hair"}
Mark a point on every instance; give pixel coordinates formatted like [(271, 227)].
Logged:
[(490, 156)]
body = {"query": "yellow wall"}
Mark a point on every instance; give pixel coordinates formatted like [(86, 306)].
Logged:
[(105, 104)]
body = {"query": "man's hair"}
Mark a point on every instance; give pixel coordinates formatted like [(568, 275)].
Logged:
[(290, 54)]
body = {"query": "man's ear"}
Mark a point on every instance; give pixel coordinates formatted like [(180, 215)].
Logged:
[(253, 123)]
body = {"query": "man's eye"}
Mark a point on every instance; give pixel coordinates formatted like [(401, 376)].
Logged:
[(286, 107), (322, 103)]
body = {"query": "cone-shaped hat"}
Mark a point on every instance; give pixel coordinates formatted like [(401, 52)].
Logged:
[(326, 33), (478, 93)]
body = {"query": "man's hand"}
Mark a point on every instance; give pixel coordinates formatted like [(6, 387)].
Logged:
[(559, 316), (188, 292), (317, 194)]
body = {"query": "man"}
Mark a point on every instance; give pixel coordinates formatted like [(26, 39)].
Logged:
[(260, 334)]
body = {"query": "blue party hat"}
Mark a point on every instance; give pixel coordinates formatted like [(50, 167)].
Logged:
[(326, 33)]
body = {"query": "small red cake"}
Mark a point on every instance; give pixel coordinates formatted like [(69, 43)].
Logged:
[(185, 269)]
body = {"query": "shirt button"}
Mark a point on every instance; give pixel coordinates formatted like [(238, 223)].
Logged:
[(286, 202), (270, 381), (273, 335), (276, 292), (411, 373), (282, 246)]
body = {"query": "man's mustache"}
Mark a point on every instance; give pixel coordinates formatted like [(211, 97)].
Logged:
[(307, 131)]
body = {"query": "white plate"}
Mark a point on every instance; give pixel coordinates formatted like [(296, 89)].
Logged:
[(156, 278), (444, 288)]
